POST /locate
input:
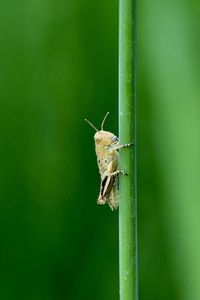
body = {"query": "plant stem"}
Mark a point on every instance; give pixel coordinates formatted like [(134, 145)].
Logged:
[(127, 133)]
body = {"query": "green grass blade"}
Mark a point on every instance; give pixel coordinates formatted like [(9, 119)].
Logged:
[(127, 133)]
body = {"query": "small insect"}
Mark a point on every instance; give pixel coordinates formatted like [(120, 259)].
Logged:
[(107, 147)]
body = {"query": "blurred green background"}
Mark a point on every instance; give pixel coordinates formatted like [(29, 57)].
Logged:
[(58, 65)]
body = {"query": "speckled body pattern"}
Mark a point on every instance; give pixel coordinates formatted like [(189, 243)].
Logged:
[(107, 147), (107, 159)]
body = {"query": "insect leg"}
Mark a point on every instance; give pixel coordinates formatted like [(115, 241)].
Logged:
[(117, 147), (118, 172), (101, 200)]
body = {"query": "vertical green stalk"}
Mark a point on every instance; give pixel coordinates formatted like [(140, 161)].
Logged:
[(127, 134)]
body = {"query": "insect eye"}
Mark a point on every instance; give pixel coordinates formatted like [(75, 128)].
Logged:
[(115, 139)]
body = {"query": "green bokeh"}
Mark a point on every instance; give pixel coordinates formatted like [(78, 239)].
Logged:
[(58, 65)]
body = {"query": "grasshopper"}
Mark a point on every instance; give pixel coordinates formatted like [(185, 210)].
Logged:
[(107, 150)]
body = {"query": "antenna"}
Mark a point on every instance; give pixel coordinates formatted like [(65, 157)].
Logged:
[(104, 120), (91, 125)]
